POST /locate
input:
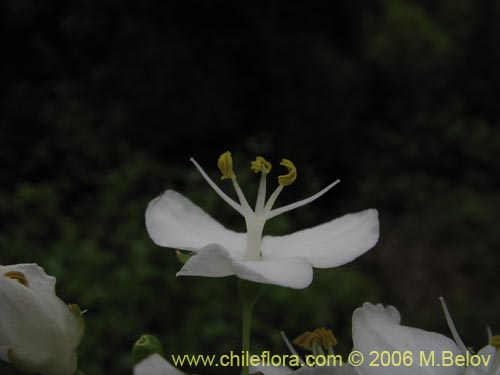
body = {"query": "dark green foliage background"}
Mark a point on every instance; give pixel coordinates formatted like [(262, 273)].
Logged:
[(103, 103)]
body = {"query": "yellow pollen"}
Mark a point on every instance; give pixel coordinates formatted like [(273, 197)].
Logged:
[(225, 164), (320, 337), (260, 165), (18, 276), (495, 341), (289, 178)]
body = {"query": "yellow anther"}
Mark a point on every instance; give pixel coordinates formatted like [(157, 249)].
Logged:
[(495, 341), (18, 276), (260, 165), (225, 164), (320, 337), (289, 178)]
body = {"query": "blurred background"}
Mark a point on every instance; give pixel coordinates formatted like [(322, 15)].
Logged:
[(103, 102)]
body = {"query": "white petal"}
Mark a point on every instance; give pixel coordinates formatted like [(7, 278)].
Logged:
[(375, 328), (293, 272), (489, 354), (211, 261), (36, 324), (155, 365), (39, 281), (330, 244), (174, 221)]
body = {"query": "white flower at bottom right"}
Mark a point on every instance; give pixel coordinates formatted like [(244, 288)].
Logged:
[(377, 329)]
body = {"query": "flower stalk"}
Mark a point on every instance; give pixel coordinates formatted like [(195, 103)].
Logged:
[(248, 292)]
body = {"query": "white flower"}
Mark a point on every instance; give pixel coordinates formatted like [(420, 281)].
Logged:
[(377, 329), (39, 333), (489, 356), (155, 364), (174, 221)]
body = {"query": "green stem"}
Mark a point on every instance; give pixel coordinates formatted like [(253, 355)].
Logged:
[(80, 372), (245, 340), (248, 295)]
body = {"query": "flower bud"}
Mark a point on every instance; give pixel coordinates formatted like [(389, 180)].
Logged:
[(39, 333), (146, 346)]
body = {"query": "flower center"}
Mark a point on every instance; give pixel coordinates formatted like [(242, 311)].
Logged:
[(495, 341), (18, 276), (317, 341), (255, 219)]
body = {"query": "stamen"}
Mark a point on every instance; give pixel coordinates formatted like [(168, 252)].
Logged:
[(318, 339), (221, 194), (18, 276), (453, 330), (272, 200), (225, 164), (289, 178), (291, 348), (279, 211), (260, 165), (241, 196), (261, 195)]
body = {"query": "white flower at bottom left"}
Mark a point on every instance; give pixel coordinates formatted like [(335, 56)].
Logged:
[(39, 333)]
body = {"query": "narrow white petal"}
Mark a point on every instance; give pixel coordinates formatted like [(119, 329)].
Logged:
[(293, 272), (375, 328), (330, 244), (293, 206), (174, 221), (214, 186), (211, 261), (291, 348), (155, 365)]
